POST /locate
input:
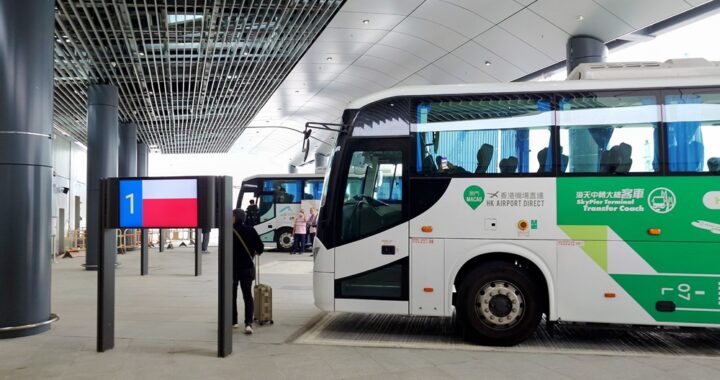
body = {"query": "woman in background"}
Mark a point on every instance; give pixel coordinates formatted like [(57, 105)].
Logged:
[(299, 232)]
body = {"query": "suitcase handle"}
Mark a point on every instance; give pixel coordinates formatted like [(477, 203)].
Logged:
[(257, 268)]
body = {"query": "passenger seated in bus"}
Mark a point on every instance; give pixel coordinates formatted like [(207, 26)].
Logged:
[(428, 165), (714, 164), (445, 166), (484, 156), (545, 167), (508, 165), (542, 160), (616, 159), (625, 152)]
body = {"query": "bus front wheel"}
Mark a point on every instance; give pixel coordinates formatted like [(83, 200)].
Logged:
[(284, 240), (500, 304)]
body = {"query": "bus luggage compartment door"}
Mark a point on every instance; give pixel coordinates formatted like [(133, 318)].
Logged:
[(427, 283)]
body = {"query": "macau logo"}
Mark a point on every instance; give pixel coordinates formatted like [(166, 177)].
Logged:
[(661, 200), (474, 196)]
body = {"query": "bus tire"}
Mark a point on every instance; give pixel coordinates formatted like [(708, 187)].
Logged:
[(284, 239), (499, 304)]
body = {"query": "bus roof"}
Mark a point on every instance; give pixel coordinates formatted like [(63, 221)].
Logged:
[(285, 176), (634, 75)]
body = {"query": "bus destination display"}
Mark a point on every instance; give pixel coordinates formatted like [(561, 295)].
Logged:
[(158, 203)]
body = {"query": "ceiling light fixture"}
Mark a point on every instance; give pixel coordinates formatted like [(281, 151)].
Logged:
[(366, 21), (488, 63), (579, 18), (329, 59)]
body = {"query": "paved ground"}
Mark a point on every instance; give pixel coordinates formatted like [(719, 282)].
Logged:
[(166, 328)]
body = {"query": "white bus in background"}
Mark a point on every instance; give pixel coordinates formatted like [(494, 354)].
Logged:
[(593, 200), (279, 198)]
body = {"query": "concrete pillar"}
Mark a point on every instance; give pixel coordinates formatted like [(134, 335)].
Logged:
[(127, 164), (128, 150), (321, 162), (142, 160), (26, 107), (583, 149), (584, 49), (102, 158), (292, 169)]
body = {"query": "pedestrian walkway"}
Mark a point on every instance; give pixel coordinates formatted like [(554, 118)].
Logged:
[(166, 328)]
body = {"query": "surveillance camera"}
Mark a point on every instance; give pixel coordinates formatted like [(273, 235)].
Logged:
[(65, 190)]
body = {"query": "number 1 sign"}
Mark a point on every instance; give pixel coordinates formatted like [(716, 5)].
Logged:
[(158, 203)]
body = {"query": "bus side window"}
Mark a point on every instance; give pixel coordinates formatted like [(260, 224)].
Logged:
[(613, 134), (486, 135), (692, 120)]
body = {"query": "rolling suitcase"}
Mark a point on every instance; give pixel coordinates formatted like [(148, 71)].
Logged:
[(262, 298)]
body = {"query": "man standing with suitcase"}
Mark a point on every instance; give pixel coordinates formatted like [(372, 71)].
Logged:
[(246, 244)]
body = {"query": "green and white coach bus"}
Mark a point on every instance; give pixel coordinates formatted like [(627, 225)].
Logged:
[(279, 198), (595, 199)]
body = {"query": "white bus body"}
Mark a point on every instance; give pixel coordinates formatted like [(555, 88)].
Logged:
[(603, 227)]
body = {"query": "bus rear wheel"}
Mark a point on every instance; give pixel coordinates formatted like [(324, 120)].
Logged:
[(284, 241), (500, 304)]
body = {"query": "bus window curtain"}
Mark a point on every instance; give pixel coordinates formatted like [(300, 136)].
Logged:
[(522, 146), (422, 116), (685, 148), (686, 152)]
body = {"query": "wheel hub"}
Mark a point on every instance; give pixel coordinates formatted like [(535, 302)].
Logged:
[(285, 240), (499, 304)]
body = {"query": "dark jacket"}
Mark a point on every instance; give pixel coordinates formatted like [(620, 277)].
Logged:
[(241, 260)]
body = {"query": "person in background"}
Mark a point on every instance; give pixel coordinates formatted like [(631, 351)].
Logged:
[(252, 214), (299, 232), (205, 239), (246, 244), (312, 227)]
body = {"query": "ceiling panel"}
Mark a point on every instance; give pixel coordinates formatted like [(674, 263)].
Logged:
[(341, 47), (582, 17), (357, 20), (537, 32), (415, 80), (454, 17), (641, 13), (513, 50), (439, 75), (492, 64), (371, 75), (383, 65), (491, 10), (351, 35), (463, 70), (329, 58), (397, 56), (432, 32), (413, 45), (396, 7)]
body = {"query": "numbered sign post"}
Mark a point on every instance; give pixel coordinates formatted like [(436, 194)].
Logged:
[(144, 203), (177, 202)]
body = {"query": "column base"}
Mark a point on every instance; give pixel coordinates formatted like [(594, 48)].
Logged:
[(27, 330)]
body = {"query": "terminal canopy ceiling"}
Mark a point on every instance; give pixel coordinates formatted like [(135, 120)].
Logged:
[(372, 45), (196, 75), (191, 74)]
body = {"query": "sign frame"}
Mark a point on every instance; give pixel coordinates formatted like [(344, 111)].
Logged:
[(214, 211)]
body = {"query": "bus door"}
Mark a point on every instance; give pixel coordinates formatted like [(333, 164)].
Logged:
[(371, 254), (265, 226)]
